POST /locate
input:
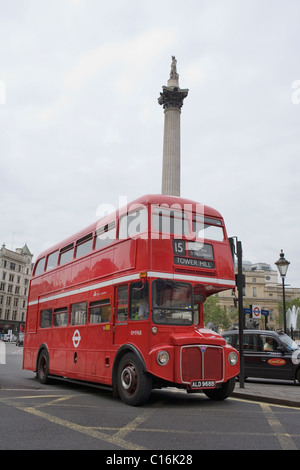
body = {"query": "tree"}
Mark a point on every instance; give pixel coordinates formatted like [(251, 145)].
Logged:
[(213, 312)]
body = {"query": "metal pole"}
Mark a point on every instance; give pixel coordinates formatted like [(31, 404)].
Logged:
[(241, 312), (283, 296)]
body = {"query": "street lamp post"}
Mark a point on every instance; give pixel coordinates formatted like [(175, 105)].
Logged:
[(282, 265)]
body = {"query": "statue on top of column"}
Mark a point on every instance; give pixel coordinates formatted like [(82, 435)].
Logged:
[(173, 73), (172, 95)]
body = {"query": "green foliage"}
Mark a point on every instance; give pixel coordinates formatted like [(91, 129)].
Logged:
[(213, 312)]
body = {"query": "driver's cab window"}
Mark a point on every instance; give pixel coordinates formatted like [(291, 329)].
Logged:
[(139, 301), (122, 302)]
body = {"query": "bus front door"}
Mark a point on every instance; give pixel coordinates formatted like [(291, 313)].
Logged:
[(76, 352), (120, 314)]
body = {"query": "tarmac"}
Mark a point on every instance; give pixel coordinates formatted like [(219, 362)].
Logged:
[(286, 393)]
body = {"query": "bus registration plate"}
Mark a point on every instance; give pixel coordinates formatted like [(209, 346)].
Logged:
[(203, 384)]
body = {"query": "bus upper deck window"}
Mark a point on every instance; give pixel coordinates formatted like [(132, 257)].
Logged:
[(52, 260), (66, 254), (84, 246), (133, 224), (40, 266), (208, 228), (105, 236), (169, 221)]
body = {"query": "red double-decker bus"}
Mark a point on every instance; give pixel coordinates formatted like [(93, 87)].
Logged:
[(120, 303)]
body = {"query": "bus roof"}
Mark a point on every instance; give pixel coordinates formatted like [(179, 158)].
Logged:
[(149, 199)]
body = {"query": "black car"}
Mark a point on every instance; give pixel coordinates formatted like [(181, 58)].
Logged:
[(267, 354)]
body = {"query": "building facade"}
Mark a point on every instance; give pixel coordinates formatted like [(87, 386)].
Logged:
[(263, 288), (15, 272)]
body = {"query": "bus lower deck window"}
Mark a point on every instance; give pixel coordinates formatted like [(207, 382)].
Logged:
[(61, 316), (79, 313), (100, 311), (46, 318)]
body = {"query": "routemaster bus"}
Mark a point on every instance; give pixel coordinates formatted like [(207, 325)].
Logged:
[(120, 304)]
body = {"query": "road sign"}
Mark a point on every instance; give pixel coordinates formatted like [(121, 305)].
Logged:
[(265, 312), (247, 310), (256, 311)]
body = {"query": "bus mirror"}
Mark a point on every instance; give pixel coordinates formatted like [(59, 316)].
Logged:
[(232, 247)]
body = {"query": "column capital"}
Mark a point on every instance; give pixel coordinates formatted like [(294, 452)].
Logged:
[(172, 97)]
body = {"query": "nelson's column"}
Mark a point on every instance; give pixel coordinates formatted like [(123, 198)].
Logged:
[(172, 100)]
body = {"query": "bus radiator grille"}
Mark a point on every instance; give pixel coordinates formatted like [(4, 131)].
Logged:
[(201, 362)]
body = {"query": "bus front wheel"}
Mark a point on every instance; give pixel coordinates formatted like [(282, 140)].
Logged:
[(42, 371), (134, 384), (223, 392)]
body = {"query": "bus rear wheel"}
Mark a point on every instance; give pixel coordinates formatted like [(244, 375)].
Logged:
[(42, 371), (134, 384), (223, 392)]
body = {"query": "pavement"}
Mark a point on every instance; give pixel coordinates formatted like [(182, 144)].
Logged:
[(277, 392)]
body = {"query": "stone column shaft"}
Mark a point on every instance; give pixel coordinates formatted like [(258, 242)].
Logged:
[(171, 153), (171, 99)]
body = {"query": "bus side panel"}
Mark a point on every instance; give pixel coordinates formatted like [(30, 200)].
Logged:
[(102, 263), (141, 254), (99, 354), (79, 272), (29, 352), (162, 255), (34, 289), (113, 260), (31, 319), (29, 349), (223, 259), (125, 255), (57, 351)]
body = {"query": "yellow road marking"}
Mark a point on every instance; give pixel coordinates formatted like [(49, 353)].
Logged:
[(133, 424), (116, 440), (284, 438), (119, 438)]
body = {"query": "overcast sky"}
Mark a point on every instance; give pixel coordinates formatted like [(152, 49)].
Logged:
[(80, 124)]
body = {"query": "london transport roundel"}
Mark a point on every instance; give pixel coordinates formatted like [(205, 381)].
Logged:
[(256, 311), (76, 338)]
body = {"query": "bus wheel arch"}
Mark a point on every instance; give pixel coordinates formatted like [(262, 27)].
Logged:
[(131, 381), (42, 365)]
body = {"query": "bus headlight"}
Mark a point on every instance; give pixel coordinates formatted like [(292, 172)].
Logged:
[(163, 358), (232, 358)]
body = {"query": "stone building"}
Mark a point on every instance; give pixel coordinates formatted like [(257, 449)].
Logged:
[(262, 287), (15, 272)]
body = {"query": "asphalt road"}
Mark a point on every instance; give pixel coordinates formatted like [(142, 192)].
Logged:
[(64, 416)]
